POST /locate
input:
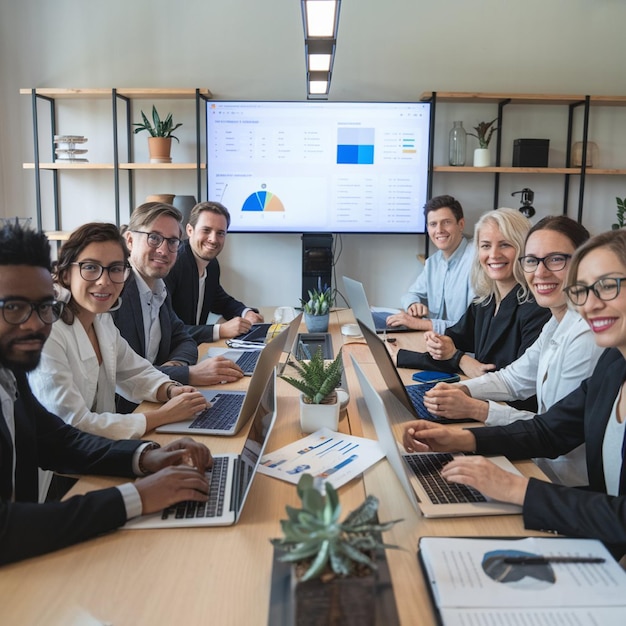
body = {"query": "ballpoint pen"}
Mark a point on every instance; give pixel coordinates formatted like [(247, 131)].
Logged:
[(545, 560)]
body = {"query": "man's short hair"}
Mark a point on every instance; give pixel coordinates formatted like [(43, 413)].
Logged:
[(148, 212), (442, 202), (214, 207), (24, 246)]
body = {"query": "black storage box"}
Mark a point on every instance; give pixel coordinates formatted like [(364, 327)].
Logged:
[(531, 152)]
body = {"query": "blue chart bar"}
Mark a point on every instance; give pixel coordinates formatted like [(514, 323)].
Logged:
[(355, 146)]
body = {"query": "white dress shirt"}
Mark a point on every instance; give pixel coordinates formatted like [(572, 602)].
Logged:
[(561, 358)]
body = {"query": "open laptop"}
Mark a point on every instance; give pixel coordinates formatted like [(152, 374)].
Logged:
[(410, 396), (230, 478), (376, 320), (230, 410), (419, 474), (247, 358)]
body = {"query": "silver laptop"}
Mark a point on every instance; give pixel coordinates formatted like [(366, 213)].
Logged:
[(247, 358), (410, 396), (357, 300), (230, 478), (230, 410), (419, 474)]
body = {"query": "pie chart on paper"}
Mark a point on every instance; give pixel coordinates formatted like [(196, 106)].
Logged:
[(263, 201)]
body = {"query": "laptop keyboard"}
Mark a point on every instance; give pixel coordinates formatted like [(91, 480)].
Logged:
[(222, 415), (426, 468), (248, 360), (214, 507), (416, 395), (380, 319)]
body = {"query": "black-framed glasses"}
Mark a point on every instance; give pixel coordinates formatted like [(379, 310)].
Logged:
[(155, 240), (552, 262), (18, 310), (90, 271), (605, 289)]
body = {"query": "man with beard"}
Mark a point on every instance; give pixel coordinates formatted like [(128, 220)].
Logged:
[(31, 437), (194, 282)]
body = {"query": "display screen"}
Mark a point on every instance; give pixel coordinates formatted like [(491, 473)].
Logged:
[(332, 167)]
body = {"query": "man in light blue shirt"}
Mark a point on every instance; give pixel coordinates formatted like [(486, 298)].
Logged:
[(442, 291)]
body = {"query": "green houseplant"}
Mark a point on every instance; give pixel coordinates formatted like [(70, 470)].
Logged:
[(333, 561), (161, 135), (317, 383), (621, 213), (317, 308), (484, 132)]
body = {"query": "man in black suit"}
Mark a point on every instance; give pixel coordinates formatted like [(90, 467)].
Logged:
[(146, 318), (194, 282), (31, 437)]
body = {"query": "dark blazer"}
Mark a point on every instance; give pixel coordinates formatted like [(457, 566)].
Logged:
[(176, 344), (182, 284), (501, 338), (580, 417), (44, 440)]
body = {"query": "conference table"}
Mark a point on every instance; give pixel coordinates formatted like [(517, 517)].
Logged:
[(222, 575)]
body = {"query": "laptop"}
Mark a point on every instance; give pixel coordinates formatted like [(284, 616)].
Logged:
[(376, 320), (419, 474), (247, 358), (256, 334), (410, 396), (230, 478), (230, 410)]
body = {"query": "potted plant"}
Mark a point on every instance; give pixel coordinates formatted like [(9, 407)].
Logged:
[(319, 404), (317, 309), (483, 133), (160, 140), (333, 562), (621, 213)]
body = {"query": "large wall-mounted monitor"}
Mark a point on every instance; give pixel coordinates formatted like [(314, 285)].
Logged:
[(333, 167)]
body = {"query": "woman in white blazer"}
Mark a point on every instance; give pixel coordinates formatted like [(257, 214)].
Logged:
[(564, 354), (85, 360)]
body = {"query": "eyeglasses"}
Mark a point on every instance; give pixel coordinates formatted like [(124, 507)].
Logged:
[(552, 262), (18, 310), (90, 271), (604, 289), (155, 240)]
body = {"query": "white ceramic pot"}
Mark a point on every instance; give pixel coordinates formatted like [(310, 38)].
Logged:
[(316, 416), (482, 157)]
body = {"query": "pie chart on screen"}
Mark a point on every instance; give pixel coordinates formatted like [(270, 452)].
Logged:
[(263, 201)]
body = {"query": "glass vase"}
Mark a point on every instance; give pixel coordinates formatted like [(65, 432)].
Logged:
[(458, 139)]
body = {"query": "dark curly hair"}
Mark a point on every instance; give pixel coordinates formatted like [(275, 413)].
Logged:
[(24, 246)]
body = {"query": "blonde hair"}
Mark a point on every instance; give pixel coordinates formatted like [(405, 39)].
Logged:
[(514, 228)]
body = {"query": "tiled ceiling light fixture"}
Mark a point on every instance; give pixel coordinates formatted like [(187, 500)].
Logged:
[(321, 20)]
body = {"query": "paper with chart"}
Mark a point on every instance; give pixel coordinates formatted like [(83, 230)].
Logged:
[(332, 456), (479, 582)]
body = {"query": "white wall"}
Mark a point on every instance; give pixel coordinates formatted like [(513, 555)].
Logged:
[(247, 49)]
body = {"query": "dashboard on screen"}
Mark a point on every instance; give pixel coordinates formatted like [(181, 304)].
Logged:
[(335, 167)]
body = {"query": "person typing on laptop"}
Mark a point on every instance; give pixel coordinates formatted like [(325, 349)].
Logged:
[(32, 438), (146, 318), (194, 281), (442, 291), (594, 414)]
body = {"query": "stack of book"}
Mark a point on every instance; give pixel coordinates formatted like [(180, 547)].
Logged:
[(68, 148)]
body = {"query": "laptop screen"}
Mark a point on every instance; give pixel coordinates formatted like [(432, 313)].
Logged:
[(255, 442)]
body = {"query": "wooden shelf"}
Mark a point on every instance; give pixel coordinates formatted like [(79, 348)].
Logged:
[(507, 170), (495, 98), (110, 166), (52, 92)]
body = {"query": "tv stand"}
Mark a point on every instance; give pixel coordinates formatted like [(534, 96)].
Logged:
[(317, 262)]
